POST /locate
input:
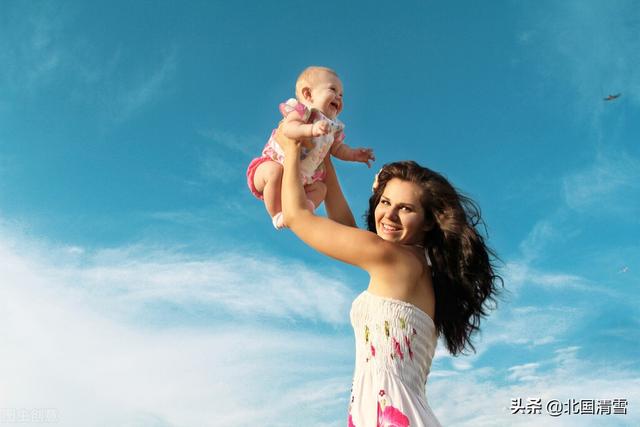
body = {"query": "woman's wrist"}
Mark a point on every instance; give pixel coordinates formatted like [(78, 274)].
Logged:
[(292, 150)]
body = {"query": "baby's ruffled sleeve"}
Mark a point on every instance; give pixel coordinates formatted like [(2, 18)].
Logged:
[(293, 105)]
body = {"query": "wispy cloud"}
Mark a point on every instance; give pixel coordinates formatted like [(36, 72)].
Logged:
[(67, 341), (250, 145), (30, 47), (482, 397), (147, 88), (234, 284), (591, 48), (524, 372), (540, 236), (610, 185), (216, 166), (226, 156), (39, 51), (75, 328)]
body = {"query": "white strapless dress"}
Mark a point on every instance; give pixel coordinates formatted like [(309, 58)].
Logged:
[(395, 344)]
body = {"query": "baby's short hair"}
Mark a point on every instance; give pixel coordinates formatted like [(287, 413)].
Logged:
[(308, 76)]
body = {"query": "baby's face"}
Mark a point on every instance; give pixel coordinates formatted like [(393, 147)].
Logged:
[(326, 94)]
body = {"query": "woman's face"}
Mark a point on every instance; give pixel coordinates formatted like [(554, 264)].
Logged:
[(399, 215)]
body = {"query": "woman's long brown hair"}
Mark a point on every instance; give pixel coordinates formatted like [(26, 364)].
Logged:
[(464, 279)]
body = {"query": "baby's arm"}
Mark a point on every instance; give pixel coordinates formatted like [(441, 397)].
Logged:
[(343, 152), (294, 127)]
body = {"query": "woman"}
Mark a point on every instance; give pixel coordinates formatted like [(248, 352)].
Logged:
[(430, 275)]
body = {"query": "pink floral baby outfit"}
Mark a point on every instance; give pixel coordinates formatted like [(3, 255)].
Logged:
[(395, 344), (311, 160)]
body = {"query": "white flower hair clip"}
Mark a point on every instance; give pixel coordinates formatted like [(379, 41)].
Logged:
[(374, 187)]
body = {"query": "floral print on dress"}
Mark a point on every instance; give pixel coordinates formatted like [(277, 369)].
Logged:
[(407, 342), (391, 417), (389, 388), (397, 349), (388, 415)]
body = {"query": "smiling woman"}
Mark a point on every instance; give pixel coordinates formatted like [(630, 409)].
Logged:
[(399, 216), (463, 274), (430, 274)]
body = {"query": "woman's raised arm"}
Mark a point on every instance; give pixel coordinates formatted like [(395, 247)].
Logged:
[(336, 205), (344, 243)]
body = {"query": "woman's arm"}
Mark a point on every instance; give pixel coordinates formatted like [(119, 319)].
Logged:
[(345, 243), (334, 202)]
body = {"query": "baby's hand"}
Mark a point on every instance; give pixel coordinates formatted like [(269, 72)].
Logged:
[(364, 155), (284, 141), (321, 127)]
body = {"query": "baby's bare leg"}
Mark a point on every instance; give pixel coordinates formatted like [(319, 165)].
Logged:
[(268, 181), (316, 192)]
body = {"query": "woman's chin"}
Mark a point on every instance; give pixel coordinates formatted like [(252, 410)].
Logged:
[(390, 237)]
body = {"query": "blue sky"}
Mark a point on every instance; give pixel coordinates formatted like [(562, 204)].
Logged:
[(142, 284)]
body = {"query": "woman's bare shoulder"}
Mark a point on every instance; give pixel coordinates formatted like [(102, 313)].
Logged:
[(398, 278)]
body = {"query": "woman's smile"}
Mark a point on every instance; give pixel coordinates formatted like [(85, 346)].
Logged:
[(399, 214)]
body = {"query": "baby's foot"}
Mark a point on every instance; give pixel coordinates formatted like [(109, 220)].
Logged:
[(278, 221)]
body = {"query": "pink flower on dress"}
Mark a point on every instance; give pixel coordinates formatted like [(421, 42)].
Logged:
[(373, 351), (408, 343), (351, 424), (391, 417), (396, 347)]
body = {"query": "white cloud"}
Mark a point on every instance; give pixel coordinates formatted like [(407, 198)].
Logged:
[(67, 341), (237, 284), (520, 273), (481, 398), (611, 185), (461, 364), (528, 327), (524, 372), (539, 237), (75, 339)]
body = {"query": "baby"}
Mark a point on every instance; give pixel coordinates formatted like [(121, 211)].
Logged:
[(313, 119)]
